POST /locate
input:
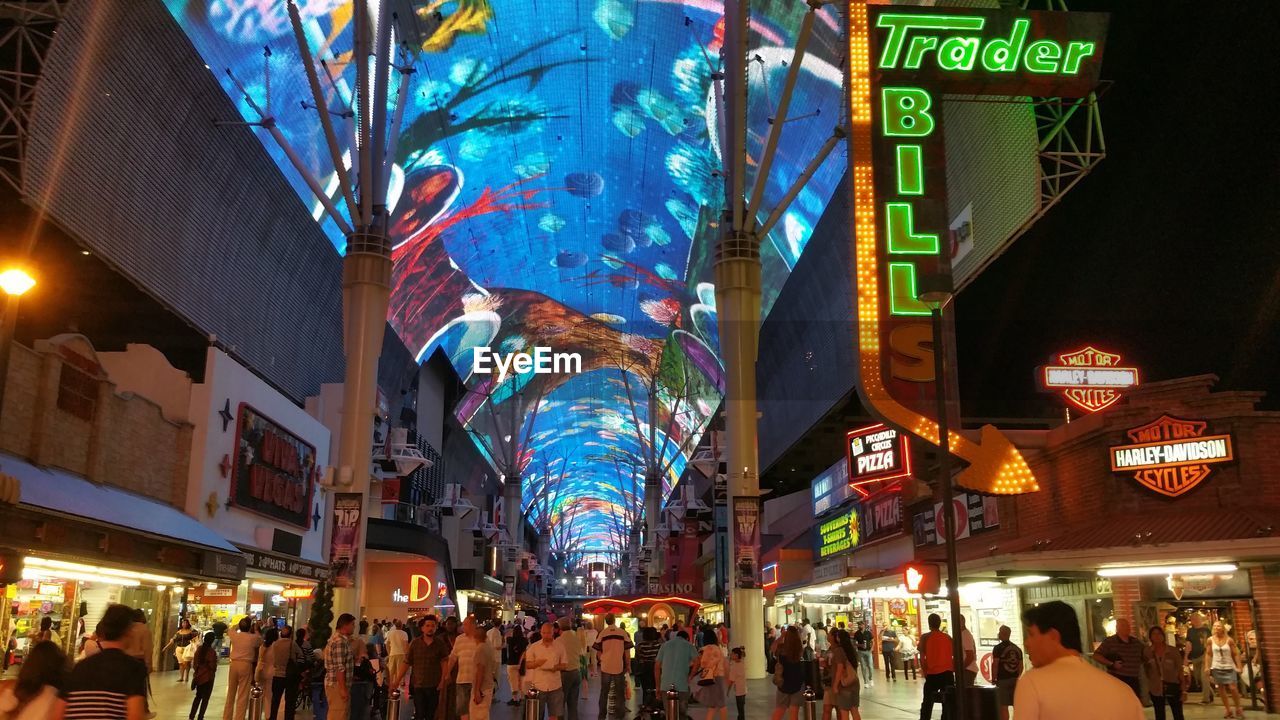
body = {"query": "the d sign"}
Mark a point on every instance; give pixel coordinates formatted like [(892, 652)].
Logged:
[(420, 587)]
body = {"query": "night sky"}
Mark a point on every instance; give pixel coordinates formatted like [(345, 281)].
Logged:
[(1169, 252)]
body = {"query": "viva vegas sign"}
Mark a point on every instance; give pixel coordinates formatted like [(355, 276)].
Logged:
[(901, 62)]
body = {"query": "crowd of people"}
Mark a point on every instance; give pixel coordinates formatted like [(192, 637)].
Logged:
[(449, 668)]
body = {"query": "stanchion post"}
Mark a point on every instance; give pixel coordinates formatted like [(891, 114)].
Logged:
[(672, 703), (810, 703), (255, 702), (393, 704), (533, 705)]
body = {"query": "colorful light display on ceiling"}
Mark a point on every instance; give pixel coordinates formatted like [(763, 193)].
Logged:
[(557, 185)]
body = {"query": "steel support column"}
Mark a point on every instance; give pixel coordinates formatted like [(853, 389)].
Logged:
[(738, 290)]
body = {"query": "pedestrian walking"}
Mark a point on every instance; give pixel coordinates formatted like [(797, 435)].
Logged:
[(33, 695), (1062, 685), (364, 678), (712, 669), (204, 669), (574, 654), (545, 664), (1124, 656), (646, 658), (484, 679), (1007, 666), (339, 662), (184, 643), (672, 666), (738, 680), (463, 660), (397, 642), (888, 650), (862, 644), (1166, 681), (512, 654), (788, 676), (245, 644), (613, 648), (938, 662), (109, 683), (1222, 665), (1197, 644), (285, 663), (425, 662)]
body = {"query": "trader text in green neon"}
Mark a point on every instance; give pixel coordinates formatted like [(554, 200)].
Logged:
[(956, 47)]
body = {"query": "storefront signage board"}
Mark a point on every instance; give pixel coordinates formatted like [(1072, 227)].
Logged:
[(881, 518), (877, 453), (839, 535), (974, 514), (831, 489), (1170, 455), (344, 539), (274, 471), (1090, 379), (282, 565), (901, 62), (828, 570)]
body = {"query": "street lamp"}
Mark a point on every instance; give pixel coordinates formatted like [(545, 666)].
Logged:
[(936, 291), (14, 281)]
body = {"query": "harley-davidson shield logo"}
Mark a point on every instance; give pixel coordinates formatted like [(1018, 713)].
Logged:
[(1171, 455), (1090, 379)]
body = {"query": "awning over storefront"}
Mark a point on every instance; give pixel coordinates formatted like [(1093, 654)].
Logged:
[(104, 523)]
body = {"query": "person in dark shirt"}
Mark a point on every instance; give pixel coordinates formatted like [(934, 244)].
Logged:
[(1006, 660), (862, 639), (425, 662), (1123, 656), (108, 685), (1197, 638)]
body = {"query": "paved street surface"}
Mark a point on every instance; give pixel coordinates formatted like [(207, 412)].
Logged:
[(896, 701)]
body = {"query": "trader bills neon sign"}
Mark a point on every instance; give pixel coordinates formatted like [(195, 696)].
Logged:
[(901, 62)]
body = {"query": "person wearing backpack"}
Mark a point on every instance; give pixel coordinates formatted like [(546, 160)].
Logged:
[(284, 660)]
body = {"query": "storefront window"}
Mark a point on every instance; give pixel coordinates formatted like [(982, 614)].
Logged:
[(1102, 620)]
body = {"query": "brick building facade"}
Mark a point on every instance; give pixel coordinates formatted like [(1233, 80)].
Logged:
[(1087, 517)]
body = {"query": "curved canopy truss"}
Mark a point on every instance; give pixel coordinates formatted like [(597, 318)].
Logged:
[(557, 184)]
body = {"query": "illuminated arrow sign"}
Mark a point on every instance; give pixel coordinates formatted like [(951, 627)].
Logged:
[(901, 61)]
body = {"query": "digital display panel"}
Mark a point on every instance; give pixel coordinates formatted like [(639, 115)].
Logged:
[(556, 184)]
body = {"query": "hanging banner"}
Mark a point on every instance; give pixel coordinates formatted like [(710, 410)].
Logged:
[(746, 541), (344, 543)]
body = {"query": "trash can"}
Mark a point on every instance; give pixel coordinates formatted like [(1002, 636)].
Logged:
[(980, 703)]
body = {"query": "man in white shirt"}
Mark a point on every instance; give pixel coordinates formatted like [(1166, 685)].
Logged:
[(397, 642), (614, 648), (1063, 685), (495, 638), (589, 636), (544, 662), (463, 658), (970, 653)]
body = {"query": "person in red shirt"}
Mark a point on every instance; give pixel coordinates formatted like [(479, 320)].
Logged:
[(939, 669)]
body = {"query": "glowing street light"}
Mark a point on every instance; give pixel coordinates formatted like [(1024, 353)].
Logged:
[(15, 281)]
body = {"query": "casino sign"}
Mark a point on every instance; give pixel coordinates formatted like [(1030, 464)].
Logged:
[(1171, 455)]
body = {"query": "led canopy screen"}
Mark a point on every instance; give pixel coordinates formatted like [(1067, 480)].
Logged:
[(556, 184)]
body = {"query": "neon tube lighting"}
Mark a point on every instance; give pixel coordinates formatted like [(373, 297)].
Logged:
[(1026, 579), (1142, 570)]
